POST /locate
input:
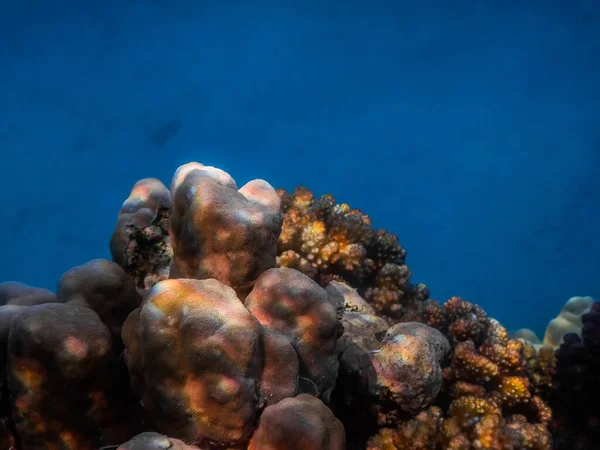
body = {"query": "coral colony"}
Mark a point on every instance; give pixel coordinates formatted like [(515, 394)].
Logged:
[(258, 319)]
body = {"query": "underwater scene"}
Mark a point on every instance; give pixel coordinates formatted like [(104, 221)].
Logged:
[(316, 225)]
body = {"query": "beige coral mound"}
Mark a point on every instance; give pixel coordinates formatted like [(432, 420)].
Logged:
[(567, 321), (408, 371)]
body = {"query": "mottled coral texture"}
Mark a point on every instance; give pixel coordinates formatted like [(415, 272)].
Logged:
[(141, 243), (290, 303), (263, 320), (298, 423), (199, 359), (102, 286), (218, 231), (63, 379)]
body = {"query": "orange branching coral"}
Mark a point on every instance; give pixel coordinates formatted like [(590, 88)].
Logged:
[(541, 367), (514, 390), (474, 424), (543, 412), (494, 386), (527, 435), (466, 320), (499, 371), (459, 319), (323, 233), (432, 313), (461, 388), (421, 433), (329, 241), (468, 410), (389, 287), (467, 364), (508, 354)]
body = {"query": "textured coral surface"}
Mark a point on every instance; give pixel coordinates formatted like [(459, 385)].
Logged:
[(258, 319)]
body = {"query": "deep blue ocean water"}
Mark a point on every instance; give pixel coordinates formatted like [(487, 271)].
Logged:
[(471, 129)]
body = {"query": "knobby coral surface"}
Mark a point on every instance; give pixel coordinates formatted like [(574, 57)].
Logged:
[(102, 286), (253, 318), (330, 241), (202, 363), (290, 303), (298, 423), (63, 380), (141, 243), (218, 231)]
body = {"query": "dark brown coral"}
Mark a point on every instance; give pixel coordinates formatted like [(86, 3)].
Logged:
[(102, 286), (63, 351), (141, 243), (300, 423), (576, 395), (292, 304)]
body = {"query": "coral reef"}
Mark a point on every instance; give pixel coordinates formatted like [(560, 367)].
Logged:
[(256, 319), (487, 398), (329, 241), (567, 321)]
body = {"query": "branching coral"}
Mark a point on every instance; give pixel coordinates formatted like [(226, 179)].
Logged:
[(474, 424), (497, 364), (488, 398), (330, 241), (541, 369)]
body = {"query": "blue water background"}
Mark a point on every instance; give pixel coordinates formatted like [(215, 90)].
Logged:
[(471, 129)]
